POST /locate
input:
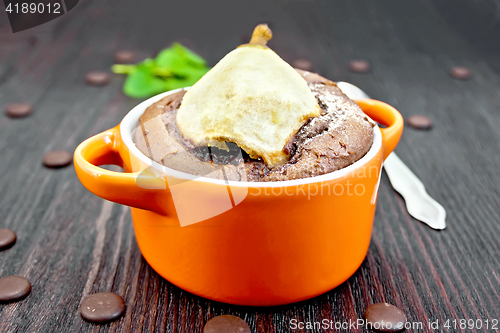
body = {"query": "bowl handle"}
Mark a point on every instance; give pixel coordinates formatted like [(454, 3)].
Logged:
[(119, 187), (387, 115)]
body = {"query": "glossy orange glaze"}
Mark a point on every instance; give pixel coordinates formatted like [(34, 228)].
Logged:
[(278, 245)]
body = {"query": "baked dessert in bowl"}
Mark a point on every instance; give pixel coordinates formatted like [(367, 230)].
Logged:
[(338, 137), (264, 242)]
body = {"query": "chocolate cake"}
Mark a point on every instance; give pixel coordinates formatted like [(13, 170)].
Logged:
[(338, 137)]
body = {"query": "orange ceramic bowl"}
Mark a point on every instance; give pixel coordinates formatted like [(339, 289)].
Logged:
[(246, 243)]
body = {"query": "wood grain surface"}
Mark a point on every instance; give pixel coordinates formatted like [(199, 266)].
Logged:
[(72, 243)]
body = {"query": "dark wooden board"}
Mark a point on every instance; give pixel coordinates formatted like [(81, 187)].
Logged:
[(71, 243)]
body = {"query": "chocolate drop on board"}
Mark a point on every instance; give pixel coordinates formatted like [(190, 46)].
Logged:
[(102, 307), (57, 159), (359, 66), (124, 56), (419, 122), (7, 238), (226, 324), (385, 317), (18, 110), (460, 73), (13, 288), (97, 78)]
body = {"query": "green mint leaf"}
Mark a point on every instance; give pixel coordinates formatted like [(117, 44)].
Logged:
[(169, 59), (174, 67), (142, 83), (163, 72), (179, 60), (192, 75), (188, 80), (123, 69), (191, 57), (175, 83)]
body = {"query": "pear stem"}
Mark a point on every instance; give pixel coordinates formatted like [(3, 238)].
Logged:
[(261, 35)]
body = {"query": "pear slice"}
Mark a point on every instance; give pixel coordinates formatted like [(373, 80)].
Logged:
[(252, 98)]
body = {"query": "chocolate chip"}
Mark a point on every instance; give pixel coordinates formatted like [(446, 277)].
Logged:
[(303, 64), (419, 122), (18, 110), (13, 288), (385, 317), (7, 238), (359, 66), (57, 159), (226, 324), (102, 307), (97, 78), (460, 73), (124, 57)]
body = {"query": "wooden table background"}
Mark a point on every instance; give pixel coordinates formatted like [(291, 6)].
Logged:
[(72, 243)]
